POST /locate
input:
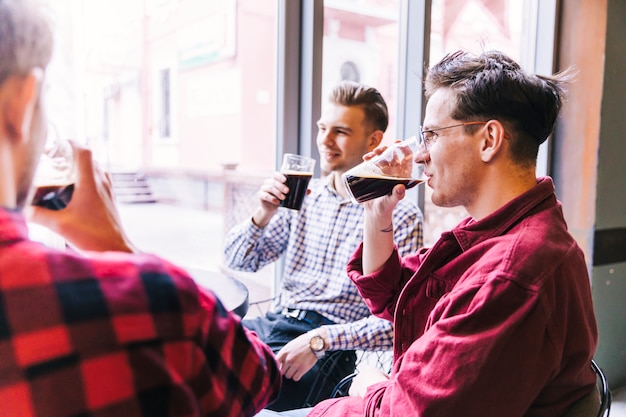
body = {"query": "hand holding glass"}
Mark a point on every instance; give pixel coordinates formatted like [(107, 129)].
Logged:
[(55, 174), (298, 170), (377, 176)]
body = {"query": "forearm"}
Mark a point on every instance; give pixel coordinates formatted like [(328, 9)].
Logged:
[(378, 243), (248, 247), (381, 288), (370, 333)]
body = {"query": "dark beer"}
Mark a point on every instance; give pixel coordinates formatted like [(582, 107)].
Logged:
[(298, 184), (53, 197), (364, 188)]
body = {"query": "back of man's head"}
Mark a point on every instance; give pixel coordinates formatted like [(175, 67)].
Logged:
[(491, 85), (350, 93), (25, 38)]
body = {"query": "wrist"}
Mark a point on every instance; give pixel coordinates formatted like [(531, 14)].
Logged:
[(378, 223), (317, 343), (260, 218)]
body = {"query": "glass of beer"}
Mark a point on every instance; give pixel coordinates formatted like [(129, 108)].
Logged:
[(400, 163), (298, 169), (55, 174)]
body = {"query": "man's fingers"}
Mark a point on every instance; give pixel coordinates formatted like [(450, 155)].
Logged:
[(292, 372)]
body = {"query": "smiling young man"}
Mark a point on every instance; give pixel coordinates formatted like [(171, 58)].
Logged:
[(318, 308), (496, 319)]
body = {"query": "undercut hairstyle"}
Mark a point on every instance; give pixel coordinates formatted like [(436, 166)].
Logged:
[(26, 39), (493, 86), (350, 93)]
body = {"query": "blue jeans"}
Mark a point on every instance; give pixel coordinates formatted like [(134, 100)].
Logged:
[(276, 330), (301, 412)]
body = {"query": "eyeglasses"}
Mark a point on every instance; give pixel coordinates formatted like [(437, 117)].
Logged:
[(430, 136)]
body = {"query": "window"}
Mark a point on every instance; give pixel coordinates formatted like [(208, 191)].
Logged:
[(184, 91), (360, 43)]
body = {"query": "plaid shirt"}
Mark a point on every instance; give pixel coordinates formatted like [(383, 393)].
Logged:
[(318, 241), (118, 335)]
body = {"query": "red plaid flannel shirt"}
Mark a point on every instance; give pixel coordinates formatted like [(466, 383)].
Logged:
[(118, 335)]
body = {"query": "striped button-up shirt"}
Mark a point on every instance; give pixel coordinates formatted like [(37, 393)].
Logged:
[(318, 241)]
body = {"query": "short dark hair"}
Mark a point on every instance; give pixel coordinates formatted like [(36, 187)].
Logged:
[(493, 86), (350, 93)]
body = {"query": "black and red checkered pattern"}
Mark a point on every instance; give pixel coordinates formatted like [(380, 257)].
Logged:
[(116, 334)]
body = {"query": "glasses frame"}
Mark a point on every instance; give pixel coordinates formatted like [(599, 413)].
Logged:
[(432, 138)]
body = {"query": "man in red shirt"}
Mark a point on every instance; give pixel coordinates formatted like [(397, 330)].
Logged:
[(100, 330), (496, 319)]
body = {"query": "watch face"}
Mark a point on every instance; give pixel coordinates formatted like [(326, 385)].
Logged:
[(317, 343)]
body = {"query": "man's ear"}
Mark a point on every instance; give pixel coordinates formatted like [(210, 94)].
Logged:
[(20, 94), (492, 140), (374, 139)]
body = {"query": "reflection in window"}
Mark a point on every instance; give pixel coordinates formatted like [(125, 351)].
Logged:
[(350, 72)]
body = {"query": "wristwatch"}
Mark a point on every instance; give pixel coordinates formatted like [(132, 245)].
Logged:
[(316, 343)]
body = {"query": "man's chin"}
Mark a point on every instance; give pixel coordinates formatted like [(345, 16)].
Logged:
[(326, 169)]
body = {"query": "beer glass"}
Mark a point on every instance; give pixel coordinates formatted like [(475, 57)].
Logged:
[(298, 169), (55, 174), (400, 163)]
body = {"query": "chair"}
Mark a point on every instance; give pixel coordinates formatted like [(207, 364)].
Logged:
[(332, 368), (603, 388), (343, 386), (596, 404)]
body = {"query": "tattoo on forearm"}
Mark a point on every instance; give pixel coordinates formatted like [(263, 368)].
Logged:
[(388, 229)]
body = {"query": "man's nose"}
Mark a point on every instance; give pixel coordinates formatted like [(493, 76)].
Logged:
[(422, 156), (325, 137)]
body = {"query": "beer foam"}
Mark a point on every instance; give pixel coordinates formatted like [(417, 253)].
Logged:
[(366, 170), (301, 173)]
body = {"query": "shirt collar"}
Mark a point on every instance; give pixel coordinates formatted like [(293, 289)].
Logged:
[(469, 232)]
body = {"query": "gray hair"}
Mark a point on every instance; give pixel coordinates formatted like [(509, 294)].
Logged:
[(26, 39)]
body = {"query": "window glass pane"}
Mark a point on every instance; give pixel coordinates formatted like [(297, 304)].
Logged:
[(473, 25), (361, 44), (476, 25)]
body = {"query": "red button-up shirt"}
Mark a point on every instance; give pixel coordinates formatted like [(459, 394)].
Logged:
[(496, 319), (117, 334)]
